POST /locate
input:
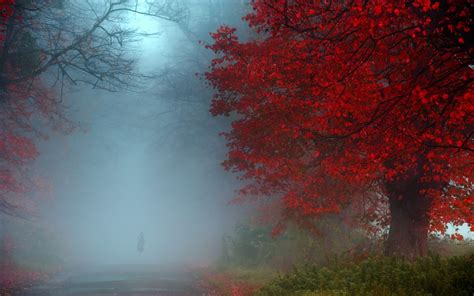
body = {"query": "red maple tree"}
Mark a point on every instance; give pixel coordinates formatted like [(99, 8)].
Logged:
[(16, 150), (21, 102), (360, 104)]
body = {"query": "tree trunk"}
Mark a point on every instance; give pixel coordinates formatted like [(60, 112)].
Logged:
[(409, 209)]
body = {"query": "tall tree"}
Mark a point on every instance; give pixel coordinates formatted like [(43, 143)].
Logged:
[(187, 97), (47, 46), (367, 104)]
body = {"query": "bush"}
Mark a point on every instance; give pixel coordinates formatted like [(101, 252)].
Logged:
[(252, 246), (382, 276)]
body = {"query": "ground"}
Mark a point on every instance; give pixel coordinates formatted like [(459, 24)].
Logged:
[(120, 280)]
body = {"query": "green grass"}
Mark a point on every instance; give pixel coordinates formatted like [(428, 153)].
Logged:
[(381, 277), (258, 276)]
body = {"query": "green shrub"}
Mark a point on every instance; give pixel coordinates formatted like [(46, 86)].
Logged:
[(252, 246), (382, 276)]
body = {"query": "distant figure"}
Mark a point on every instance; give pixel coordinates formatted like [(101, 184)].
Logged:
[(141, 243)]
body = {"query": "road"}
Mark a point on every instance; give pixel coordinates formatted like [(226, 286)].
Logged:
[(120, 281)]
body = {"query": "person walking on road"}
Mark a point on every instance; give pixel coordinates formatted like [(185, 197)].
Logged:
[(141, 242)]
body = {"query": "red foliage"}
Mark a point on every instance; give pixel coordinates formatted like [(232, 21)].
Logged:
[(335, 99), (22, 102), (6, 11), (16, 150), (219, 284), (22, 105), (13, 278)]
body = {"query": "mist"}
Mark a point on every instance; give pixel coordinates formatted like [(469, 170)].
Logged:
[(137, 162), (205, 147)]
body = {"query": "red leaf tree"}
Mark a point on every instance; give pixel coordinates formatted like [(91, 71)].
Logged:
[(20, 101), (365, 105)]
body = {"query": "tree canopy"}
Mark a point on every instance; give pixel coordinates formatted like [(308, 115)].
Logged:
[(366, 105)]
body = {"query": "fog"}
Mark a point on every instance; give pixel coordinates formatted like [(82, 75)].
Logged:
[(207, 147), (138, 162)]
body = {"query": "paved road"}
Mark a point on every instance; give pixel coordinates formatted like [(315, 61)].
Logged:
[(120, 281)]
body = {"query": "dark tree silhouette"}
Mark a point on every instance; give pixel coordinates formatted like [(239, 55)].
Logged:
[(47, 46)]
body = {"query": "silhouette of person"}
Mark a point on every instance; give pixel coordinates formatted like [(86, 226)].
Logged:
[(141, 243)]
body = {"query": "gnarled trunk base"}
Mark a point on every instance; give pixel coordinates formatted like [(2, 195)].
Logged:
[(409, 209)]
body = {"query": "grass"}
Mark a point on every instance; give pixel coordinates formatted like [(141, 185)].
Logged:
[(379, 277)]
